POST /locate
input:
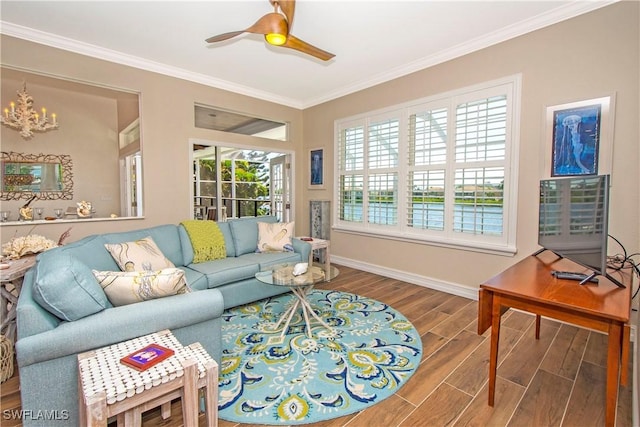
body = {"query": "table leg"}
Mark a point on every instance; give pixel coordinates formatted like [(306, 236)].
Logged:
[(613, 371), (626, 345), (288, 315), (327, 264), (537, 326), (300, 294), (211, 394), (190, 393), (495, 339), (94, 410), (8, 314), (306, 306)]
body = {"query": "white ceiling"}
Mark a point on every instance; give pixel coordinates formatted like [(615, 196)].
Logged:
[(374, 41)]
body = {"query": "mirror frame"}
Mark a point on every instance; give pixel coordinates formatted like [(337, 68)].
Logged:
[(67, 176)]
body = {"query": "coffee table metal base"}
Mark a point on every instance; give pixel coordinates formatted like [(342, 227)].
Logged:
[(302, 302)]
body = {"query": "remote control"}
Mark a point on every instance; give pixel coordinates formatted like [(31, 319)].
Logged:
[(572, 276)]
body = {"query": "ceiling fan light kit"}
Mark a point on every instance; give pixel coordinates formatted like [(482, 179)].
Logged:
[(275, 39), (275, 27)]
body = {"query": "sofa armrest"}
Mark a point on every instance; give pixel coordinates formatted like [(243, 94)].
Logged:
[(31, 318), (301, 247), (118, 324)]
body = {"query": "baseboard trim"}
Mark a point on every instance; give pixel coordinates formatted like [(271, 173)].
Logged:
[(416, 279)]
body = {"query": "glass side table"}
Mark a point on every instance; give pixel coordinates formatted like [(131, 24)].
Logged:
[(300, 286)]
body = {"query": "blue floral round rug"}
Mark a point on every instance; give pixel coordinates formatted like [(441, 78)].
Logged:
[(269, 378)]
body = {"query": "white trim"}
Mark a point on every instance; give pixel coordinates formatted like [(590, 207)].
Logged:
[(212, 142), (416, 279), (554, 16)]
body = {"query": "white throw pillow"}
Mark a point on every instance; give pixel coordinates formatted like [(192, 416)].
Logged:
[(140, 255), (275, 237), (128, 287)]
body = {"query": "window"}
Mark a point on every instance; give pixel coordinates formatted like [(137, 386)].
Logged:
[(440, 170)]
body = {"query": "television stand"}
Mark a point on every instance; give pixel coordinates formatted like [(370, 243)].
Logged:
[(529, 286)]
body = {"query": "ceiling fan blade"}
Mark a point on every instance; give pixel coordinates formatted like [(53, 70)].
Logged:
[(287, 7), (304, 47), (225, 36), (269, 23)]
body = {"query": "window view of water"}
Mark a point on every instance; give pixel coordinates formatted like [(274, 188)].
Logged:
[(467, 218)]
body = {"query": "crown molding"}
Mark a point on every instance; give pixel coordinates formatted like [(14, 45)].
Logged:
[(98, 52), (570, 10), (563, 13)]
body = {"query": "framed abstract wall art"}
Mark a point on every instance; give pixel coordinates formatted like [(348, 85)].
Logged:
[(316, 168), (579, 138)]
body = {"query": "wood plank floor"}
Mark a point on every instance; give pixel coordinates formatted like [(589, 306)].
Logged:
[(558, 380)]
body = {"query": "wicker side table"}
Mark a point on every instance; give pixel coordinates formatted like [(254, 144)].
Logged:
[(108, 388)]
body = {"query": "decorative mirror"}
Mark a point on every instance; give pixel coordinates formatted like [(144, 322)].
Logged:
[(101, 126), (46, 176)]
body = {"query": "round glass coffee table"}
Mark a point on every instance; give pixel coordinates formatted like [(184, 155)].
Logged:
[(282, 275)]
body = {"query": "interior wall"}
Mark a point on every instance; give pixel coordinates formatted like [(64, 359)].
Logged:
[(87, 130), (167, 124), (590, 56)]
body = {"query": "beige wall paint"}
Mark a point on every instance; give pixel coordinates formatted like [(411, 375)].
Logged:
[(587, 57), (167, 125)]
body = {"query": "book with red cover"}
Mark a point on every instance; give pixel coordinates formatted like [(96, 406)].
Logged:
[(147, 357)]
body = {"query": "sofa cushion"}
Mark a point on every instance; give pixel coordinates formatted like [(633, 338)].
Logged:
[(128, 287), (66, 287), (225, 228), (196, 281), (228, 270), (165, 236), (275, 237), (89, 250), (268, 260), (139, 255), (245, 233)]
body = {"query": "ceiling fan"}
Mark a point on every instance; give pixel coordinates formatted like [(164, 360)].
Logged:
[(275, 27)]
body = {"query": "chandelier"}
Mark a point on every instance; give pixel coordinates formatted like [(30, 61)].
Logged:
[(24, 118)]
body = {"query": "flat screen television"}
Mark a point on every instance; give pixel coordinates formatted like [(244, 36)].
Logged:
[(573, 223)]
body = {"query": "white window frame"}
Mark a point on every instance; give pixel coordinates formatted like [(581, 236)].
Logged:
[(504, 244)]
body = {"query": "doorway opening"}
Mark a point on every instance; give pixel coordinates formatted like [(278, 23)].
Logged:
[(237, 182)]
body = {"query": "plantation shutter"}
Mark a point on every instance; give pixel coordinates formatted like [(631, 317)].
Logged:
[(480, 147), (351, 172), (426, 169)]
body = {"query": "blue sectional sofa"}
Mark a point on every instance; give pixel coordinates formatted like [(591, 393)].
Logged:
[(72, 315)]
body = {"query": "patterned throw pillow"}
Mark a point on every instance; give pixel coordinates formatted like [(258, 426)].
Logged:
[(140, 255), (275, 237), (128, 287)]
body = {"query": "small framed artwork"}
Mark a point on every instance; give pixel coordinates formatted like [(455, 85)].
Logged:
[(579, 139), (316, 168)]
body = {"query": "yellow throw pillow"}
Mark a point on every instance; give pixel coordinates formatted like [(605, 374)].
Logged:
[(275, 237), (140, 255), (128, 287)]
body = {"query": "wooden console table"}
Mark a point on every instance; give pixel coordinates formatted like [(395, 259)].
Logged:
[(529, 286), (10, 286)]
